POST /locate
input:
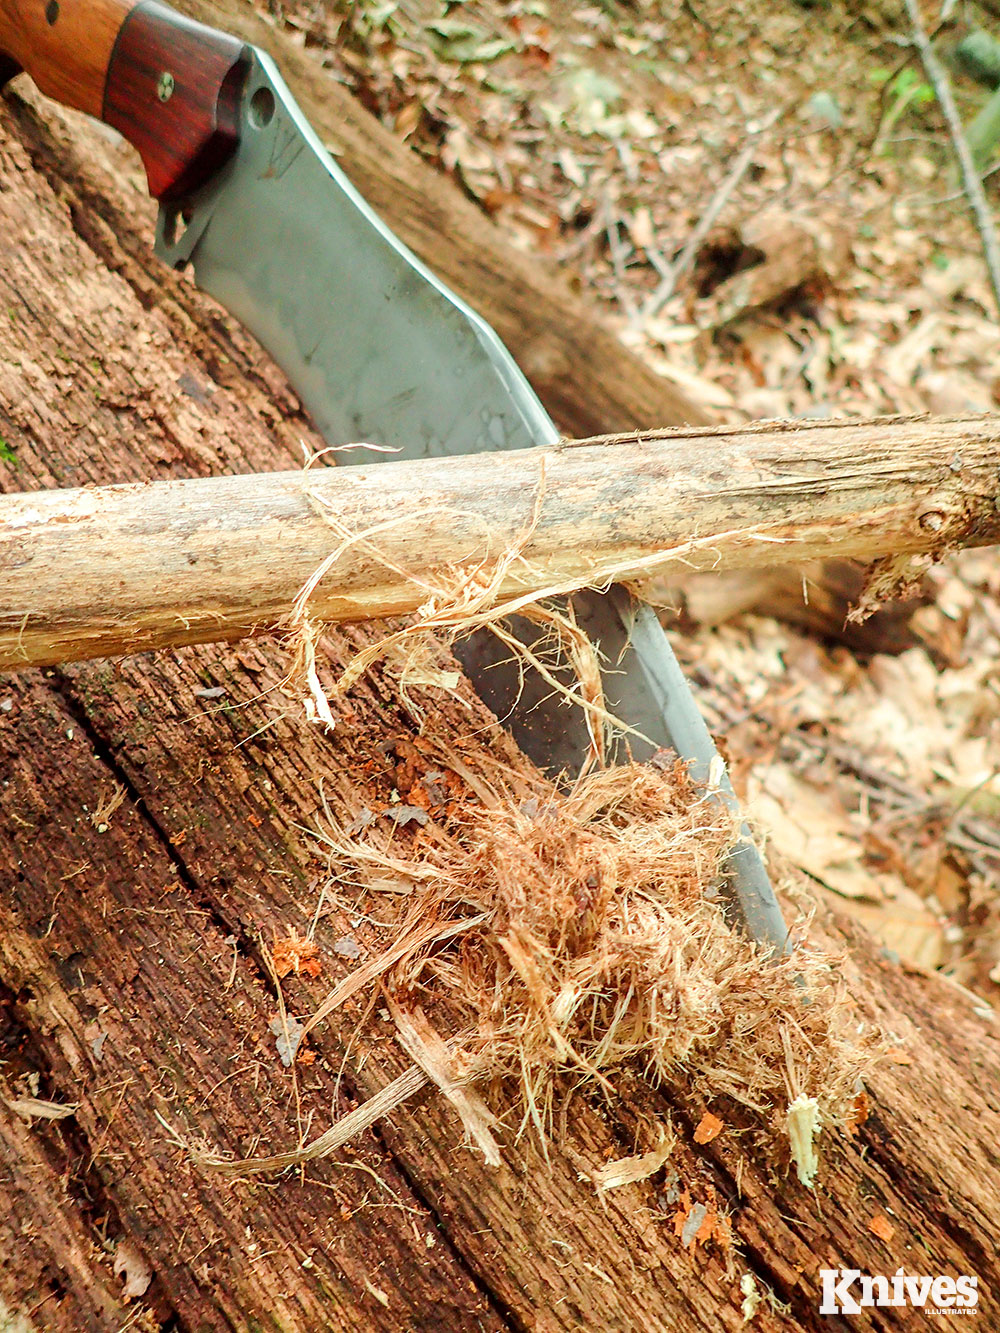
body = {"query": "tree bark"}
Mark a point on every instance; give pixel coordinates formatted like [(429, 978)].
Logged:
[(103, 572), (134, 984)]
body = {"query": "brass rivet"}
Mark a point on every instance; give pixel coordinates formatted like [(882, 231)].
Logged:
[(165, 86)]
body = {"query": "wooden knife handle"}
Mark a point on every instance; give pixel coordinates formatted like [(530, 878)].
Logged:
[(169, 85)]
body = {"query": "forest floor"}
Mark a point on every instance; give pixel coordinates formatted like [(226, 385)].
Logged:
[(841, 277)]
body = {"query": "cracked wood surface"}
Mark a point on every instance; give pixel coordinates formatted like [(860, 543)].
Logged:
[(100, 572), (133, 980)]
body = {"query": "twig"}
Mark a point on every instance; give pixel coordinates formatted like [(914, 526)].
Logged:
[(971, 182), (952, 198), (616, 252), (668, 283)]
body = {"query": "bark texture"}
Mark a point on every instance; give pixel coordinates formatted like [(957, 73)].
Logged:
[(101, 572), (134, 985)]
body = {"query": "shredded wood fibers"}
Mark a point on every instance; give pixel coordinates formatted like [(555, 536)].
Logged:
[(598, 942), (545, 940)]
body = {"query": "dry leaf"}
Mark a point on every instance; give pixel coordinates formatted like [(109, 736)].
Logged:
[(33, 1108), (130, 1260), (407, 814), (287, 1037)]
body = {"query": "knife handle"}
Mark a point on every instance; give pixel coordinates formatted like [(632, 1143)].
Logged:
[(170, 85)]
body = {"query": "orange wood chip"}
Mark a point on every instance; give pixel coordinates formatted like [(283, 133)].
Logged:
[(898, 1056), (709, 1128), (858, 1113), (881, 1226), (293, 954), (697, 1223), (708, 1226)]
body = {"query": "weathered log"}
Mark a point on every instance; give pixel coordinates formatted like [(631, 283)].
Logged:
[(133, 985), (125, 569), (815, 596)]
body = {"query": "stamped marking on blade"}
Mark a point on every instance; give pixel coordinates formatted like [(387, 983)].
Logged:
[(285, 149)]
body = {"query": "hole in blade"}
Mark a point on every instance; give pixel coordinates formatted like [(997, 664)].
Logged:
[(262, 108), (176, 220)]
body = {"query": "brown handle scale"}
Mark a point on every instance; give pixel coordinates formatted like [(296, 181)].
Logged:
[(169, 85)]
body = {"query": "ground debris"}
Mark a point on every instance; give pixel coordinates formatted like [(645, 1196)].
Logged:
[(630, 1170), (292, 954), (288, 1033), (133, 1265)]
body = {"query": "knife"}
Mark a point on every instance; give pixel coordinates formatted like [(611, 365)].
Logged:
[(377, 348)]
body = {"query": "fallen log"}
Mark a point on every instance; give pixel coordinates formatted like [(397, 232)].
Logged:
[(125, 569)]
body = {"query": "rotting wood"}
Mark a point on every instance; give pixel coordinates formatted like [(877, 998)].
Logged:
[(145, 934), (102, 572)]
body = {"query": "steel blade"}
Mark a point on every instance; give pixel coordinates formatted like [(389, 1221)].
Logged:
[(380, 351), (377, 348)]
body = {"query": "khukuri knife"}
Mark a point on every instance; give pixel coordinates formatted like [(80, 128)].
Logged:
[(376, 346)]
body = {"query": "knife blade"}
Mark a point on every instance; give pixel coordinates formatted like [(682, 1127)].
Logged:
[(378, 349)]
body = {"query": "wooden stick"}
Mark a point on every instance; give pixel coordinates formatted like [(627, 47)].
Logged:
[(124, 569)]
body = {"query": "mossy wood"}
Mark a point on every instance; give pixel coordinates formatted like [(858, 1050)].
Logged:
[(133, 985)]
